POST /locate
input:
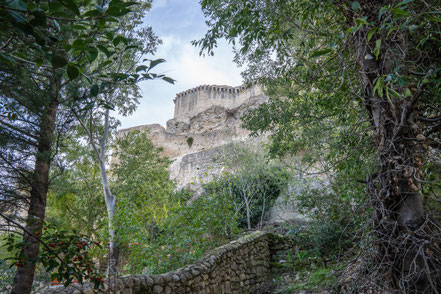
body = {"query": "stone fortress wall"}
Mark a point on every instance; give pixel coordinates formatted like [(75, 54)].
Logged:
[(241, 266), (194, 101), (209, 116)]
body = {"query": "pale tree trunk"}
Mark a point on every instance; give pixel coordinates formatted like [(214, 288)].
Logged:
[(248, 208), (110, 199), (24, 275), (246, 196)]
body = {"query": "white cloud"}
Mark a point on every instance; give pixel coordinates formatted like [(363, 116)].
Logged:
[(189, 69), (183, 62), (157, 4)]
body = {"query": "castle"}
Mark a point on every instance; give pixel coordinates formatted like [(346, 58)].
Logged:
[(205, 118)]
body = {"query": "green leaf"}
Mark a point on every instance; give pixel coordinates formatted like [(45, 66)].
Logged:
[(94, 90), (399, 11), (109, 106), (92, 13), (106, 63), (371, 33), (141, 68), (7, 59), (379, 86), (404, 2), (99, 8), (104, 50), (155, 62), (18, 4), (356, 5), (407, 92), (412, 28), (39, 19), (58, 61), (382, 11), (377, 48), (72, 72), (39, 62), (79, 44), (115, 3), (361, 21), (169, 80), (388, 96), (118, 40), (72, 5), (55, 6), (131, 47), (320, 53), (91, 54), (394, 93), (434, 18)]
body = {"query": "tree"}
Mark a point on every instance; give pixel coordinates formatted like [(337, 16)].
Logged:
[(369, 66), (122, 97), (252, 182), (75, 201), (141, 179), (45, 46)]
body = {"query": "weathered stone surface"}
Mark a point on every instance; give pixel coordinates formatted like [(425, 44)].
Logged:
[(157, 289)]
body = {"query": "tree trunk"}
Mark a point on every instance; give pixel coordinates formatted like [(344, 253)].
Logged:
[(100, 153), (247, 206), (110, 205), (395, 191), (24, 276)]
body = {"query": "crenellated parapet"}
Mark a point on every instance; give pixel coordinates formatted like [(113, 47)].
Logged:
[(193, 101)]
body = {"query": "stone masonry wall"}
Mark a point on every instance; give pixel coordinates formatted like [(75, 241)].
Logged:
[(193, 101), (241, 266)]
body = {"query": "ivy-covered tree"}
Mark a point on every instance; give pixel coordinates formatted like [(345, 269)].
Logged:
[(367, 74)]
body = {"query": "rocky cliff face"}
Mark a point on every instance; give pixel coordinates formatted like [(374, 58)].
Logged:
[(205, 118)]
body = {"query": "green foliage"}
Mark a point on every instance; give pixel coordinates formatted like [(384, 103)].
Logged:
[(189, 142), (190, 230), (64, 255), (75, 200), (313, 279), (263, 189), (6, 270), (252, 181), (432, 189), (141, 180)]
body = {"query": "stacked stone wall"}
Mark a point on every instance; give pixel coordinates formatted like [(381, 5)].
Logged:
[(241, 266)]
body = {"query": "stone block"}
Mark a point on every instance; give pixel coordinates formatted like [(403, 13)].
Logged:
[(157, 289)]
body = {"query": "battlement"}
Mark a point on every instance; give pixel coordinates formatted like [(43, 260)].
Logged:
[(193, 101)]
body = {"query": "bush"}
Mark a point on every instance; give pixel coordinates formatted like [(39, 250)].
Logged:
[(259, 189), (188, 232)]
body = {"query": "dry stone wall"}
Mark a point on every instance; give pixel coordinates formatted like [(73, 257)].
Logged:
[(241, 266)]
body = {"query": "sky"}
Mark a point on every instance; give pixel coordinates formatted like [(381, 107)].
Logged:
[(177, 23)]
